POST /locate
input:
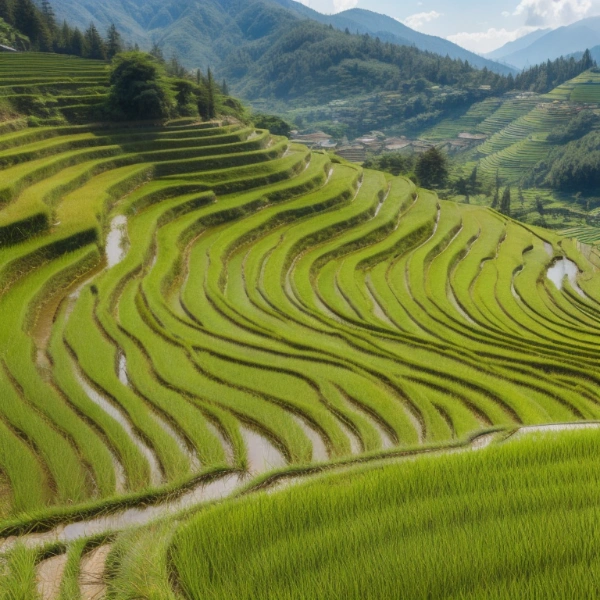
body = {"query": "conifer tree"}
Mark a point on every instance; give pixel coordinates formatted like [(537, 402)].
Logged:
[(94, 45), (505, 202), (114, 42), (76, 44), (7, 11), (48, 14), (210, 85)]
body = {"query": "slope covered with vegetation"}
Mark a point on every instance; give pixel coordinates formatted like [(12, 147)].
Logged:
[(544, 146), (202, 307)]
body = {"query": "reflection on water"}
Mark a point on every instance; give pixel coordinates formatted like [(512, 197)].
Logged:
[(565, 268), (115, 241)]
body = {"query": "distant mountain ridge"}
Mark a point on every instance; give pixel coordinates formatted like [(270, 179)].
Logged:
[(516, 45), (203, 32), (563, 41)]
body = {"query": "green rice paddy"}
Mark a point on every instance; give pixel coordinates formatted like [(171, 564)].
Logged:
[(203, 310)]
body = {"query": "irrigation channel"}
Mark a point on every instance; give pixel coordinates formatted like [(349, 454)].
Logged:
[(227, 486)]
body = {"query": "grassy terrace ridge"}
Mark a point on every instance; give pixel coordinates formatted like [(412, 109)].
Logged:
[(199, 310)]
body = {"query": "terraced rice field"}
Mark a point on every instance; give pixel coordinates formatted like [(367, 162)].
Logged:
[(52, 86), (585, 88), (193, 309)]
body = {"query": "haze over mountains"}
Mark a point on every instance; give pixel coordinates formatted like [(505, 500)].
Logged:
[(540, 46), (204, 33)]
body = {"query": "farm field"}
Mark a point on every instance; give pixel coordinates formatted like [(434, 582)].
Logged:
[(517, 128), (203, 312)]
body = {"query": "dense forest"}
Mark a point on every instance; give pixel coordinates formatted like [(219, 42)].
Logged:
[(574, 167), (549, 75)]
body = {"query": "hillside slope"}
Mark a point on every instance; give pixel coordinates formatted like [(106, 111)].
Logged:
[(392, 30), (198, 309), (202, 33)]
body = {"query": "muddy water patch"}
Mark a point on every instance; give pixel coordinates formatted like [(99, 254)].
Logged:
[(164, 424), (319, 449), (92, 580), (225, 443), (555, 428), (116, 241), (377, 307), (456, 304), (565, 268), (49, 574), (549, 249), (119, 415), (513, 289), (261, 453)]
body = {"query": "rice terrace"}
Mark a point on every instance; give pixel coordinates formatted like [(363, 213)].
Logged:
[(234, 367)]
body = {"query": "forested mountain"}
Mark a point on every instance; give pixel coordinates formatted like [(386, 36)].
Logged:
[(203, 32), (321, 64), (391, 30)]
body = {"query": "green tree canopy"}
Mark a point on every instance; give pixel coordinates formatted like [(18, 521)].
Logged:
[(432, 168), (139, 89)]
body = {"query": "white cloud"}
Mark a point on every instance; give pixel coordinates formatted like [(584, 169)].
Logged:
[(554, 13), (486, 41), (340, 5), (417, 21)]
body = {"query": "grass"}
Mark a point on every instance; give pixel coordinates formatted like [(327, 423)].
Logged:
[(518, 520)]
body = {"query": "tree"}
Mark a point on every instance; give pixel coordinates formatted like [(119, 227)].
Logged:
[(474, 185), (210, 90), (496, 199), (505, 202), (225, 88), (157, 53), (185, 96), (114, 42), (138, 88), (521, 197), (76, 44), (48, 14), (539, 205), (7, 11), (432, 168), (274, 124), (30, 22), (94, 44)]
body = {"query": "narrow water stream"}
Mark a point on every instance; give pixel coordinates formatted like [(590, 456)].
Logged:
[(119, 415), (116, 241), (184, 447), (225, 486), (319, 449)]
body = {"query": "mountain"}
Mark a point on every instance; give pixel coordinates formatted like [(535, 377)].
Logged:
[(559, 42), (517, 45), (392, 30), (202, 32), (595, 52)]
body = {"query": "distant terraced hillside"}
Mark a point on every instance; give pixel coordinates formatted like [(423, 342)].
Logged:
[(517, 129), (186, 308), (51, 86)]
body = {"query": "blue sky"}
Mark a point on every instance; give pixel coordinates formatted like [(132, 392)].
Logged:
[(479, 25)]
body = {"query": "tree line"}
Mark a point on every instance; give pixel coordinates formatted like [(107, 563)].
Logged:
[(45, 34)]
